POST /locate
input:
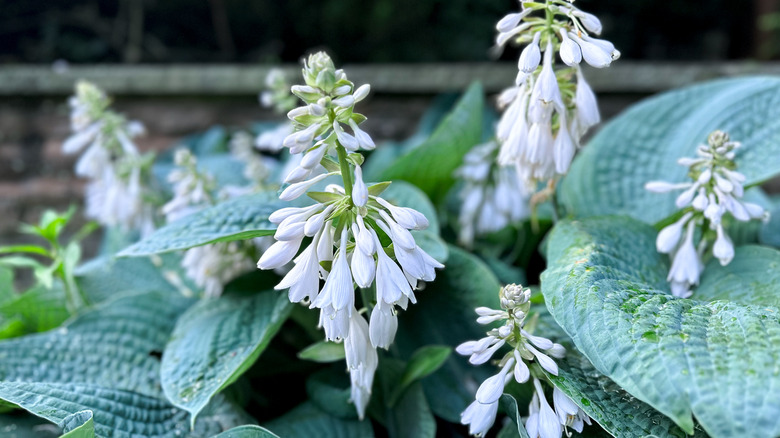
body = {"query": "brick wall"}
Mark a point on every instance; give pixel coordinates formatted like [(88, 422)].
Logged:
[(35, 175)]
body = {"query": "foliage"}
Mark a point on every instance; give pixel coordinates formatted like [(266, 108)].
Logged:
[(143, 355)]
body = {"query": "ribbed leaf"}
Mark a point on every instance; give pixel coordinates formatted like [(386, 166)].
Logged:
[(644, 143), (215, 341), (753, 277), (117, 414), (410, 416), (606, 287), (307, 421), (79, 425), (247, 432), (430, 165), (239, 218), (508, 404), (114, 346), (444, 315), (107, 277)]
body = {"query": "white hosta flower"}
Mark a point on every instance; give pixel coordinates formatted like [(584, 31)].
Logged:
[(541, 129), (214, 265), (117, 173), (492, 196), (480, 415), (272, 140), (362, 361), (345, 227), (192, 190), (715, 189), (209, 266), (531, 56), (569, 414)]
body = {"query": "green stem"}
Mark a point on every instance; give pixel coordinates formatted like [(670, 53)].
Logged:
[(346, 174)]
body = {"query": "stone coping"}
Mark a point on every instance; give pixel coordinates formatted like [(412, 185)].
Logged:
[(226, 80)]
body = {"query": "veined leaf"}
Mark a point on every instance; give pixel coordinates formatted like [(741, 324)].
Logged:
[(606, 287), (430, 165), (215, 341), (237, 219), (247, 432), (112, 346), (644, 143), (79, 425), (117, 414), (307, 421), (444, 315)]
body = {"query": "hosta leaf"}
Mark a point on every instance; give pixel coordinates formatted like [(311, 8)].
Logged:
[(117, 414), (444, 315), (608, 404), (605, 286), (329, 390), (247, 432), (508, 404), (115, 345), (770, 231), (430, 165), (644, 143), (410, 416), (753, 277), (237, 219), (307, 421), (215, 341), (106, 277), (79, 425), (604, 401)]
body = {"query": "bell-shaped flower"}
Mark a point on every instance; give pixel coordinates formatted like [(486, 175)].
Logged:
[(531, 56), (383, 325)]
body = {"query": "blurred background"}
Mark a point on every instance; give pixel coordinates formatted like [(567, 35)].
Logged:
[(183, 66)]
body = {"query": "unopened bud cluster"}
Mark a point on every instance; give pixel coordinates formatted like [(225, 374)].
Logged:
[(353, 236), (547, 113), (715, 192), (526, 351)]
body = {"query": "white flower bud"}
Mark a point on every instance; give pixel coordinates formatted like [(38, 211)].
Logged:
[(531, 56), (294, 191), (590, 21), (279, 254), (723, 249), (593, 54), (361, 92), (344, 101), (570, 52), (359, 189)]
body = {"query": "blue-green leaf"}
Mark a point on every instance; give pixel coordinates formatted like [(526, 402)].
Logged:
[(606, 287), (644, 143), (215, 341)]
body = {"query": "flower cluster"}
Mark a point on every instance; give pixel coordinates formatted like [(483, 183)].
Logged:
[(355, 234), (209, 266), (116, 192), (716, 190), (547, 114), (543, 421), (257, 168), (492, 197), (277, 95)]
